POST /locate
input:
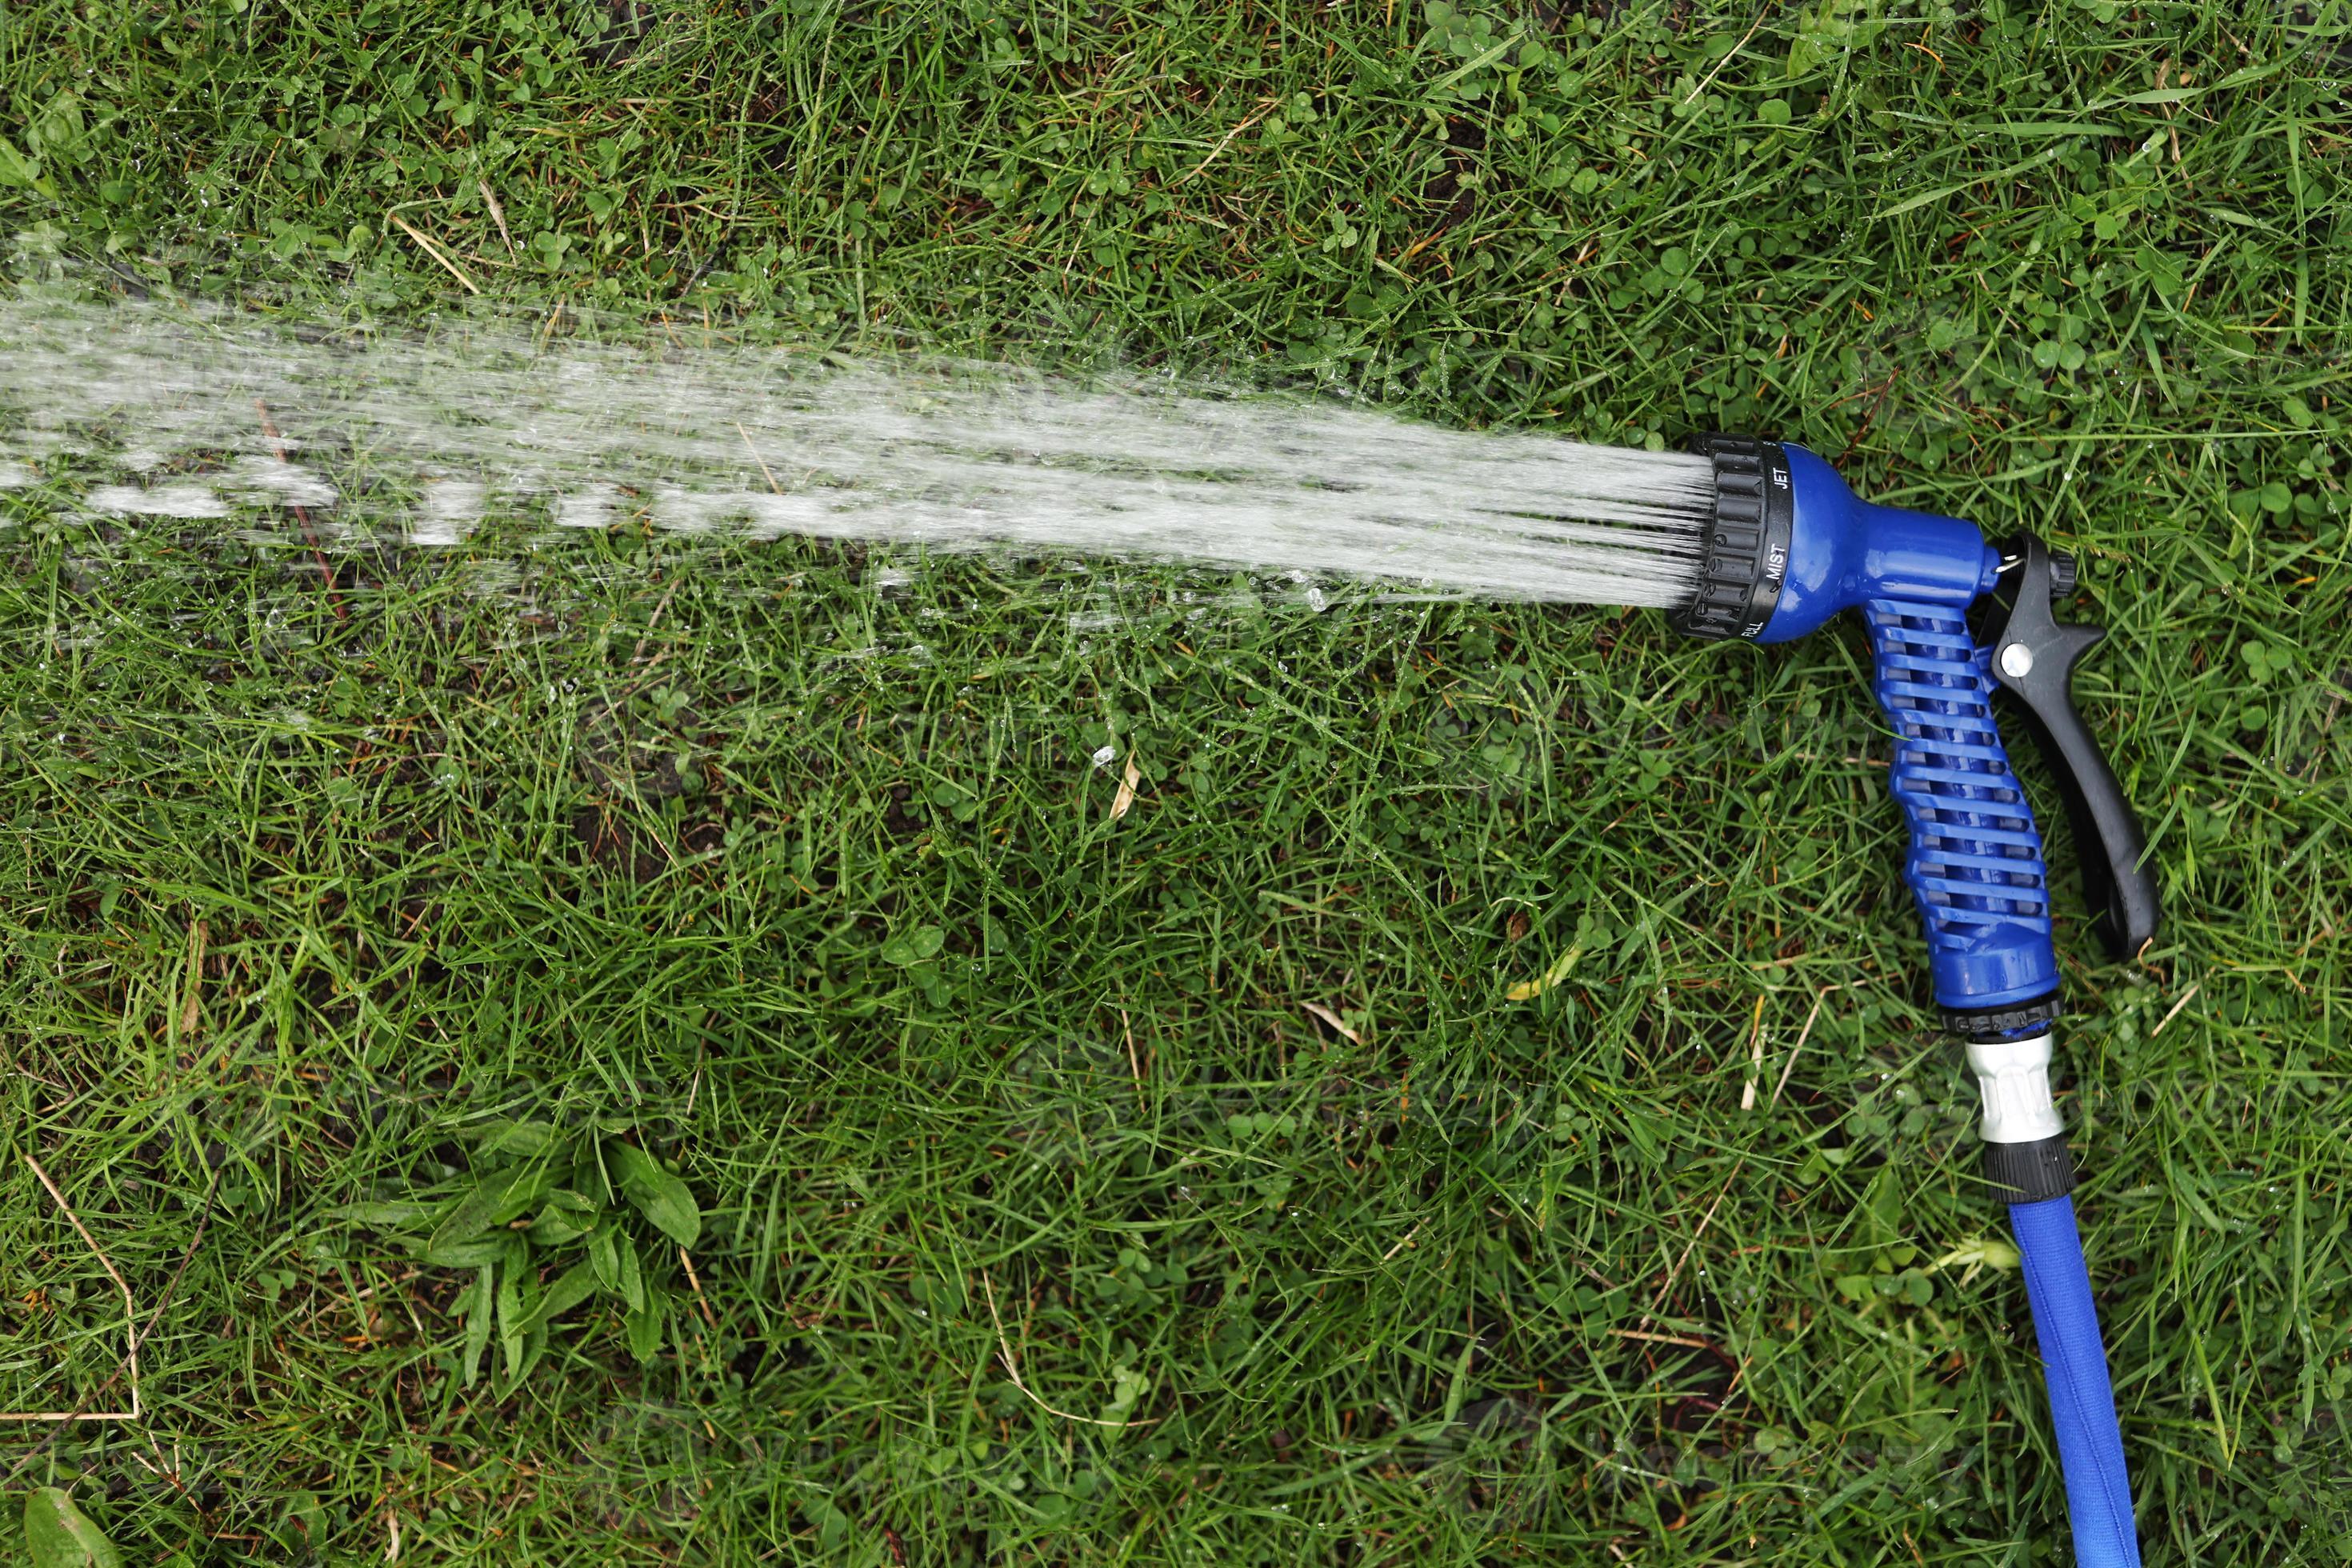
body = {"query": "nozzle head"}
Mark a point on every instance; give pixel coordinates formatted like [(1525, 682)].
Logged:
[(1789, 545), (1748, 539)]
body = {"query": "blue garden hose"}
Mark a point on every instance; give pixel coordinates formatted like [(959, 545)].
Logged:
[(1788, 547), (2074, 1366)]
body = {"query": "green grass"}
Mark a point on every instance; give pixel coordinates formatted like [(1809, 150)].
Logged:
[(805, 884)]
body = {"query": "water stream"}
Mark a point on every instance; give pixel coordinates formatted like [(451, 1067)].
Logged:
[(415, 435)]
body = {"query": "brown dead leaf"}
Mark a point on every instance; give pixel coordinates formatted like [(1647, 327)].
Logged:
[(1126, 796), (1333, 1019), (192, 1006)]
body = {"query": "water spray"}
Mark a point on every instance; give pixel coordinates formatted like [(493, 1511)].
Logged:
[(1950, 620)]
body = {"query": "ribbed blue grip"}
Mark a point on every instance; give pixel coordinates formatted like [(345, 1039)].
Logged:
[(2081, 1401), (1975, 862)]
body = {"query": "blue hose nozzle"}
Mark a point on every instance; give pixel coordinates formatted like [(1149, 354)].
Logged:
[(1789, 546)]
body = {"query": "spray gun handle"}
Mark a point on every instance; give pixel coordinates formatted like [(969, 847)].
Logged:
[(1974, 863)]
